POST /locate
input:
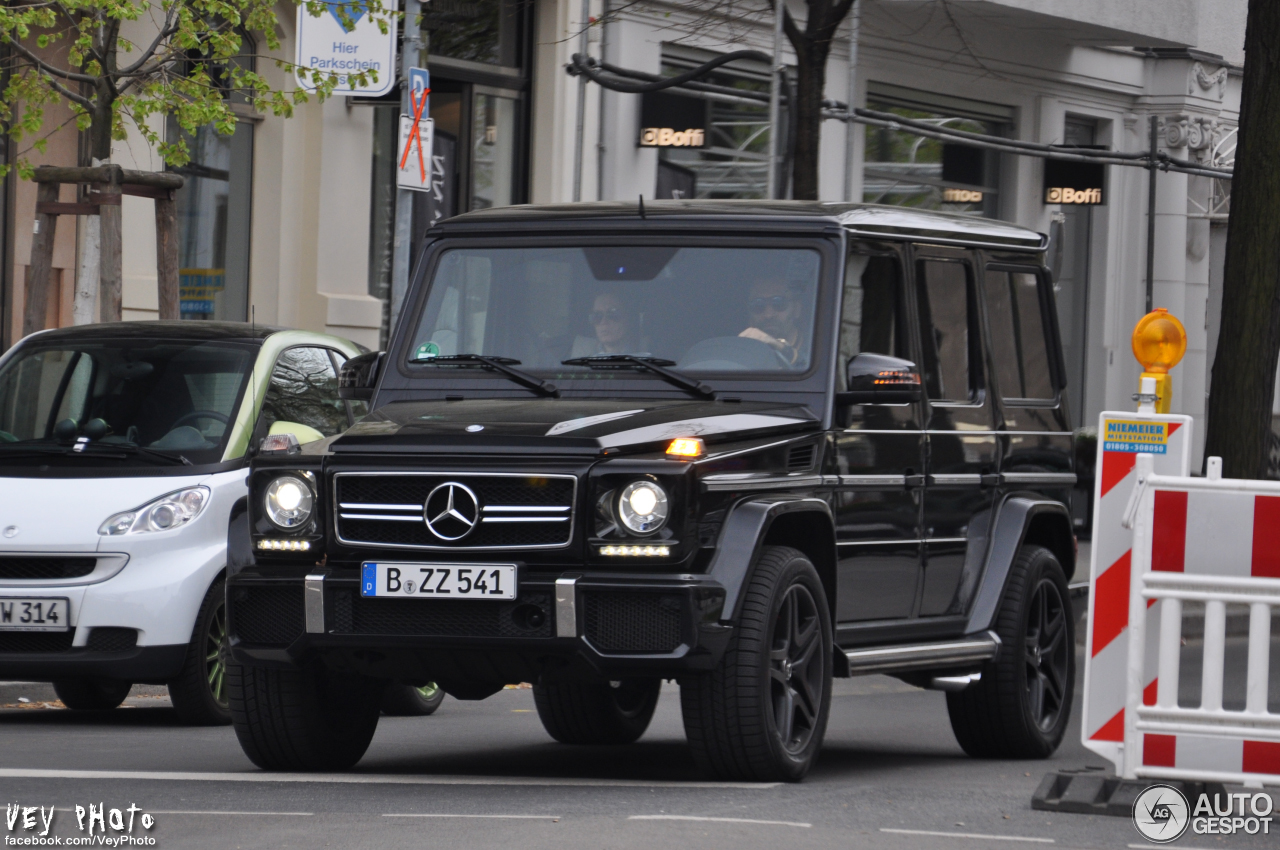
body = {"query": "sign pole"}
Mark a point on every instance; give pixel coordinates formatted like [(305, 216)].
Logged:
[(774, 98), (401, 256)]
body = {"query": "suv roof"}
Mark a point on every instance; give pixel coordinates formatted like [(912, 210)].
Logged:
[(166, 330), (870, 220)]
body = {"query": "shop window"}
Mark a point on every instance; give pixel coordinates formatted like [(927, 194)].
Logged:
[(214, 209), (493, 151), (1019, 344), (485, 31), (948, 322), (735, 161), (904, 169)]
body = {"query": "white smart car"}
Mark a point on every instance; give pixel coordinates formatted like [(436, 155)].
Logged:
[(123, 448)]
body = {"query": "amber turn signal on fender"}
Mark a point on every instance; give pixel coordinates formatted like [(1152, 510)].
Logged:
[(686, 447)]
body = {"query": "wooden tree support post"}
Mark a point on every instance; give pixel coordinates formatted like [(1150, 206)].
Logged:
[(111, 272), (167, 255), (112, 182), (41, 261)]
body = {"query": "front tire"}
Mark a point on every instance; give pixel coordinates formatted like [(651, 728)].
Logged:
[(1022, 705), (91, 694), (306, 719), (597, 712), (199, 692), (401, 700), (762, 713)]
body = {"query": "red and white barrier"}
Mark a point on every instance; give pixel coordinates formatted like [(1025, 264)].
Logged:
[(1121, 436), (1216, 541)]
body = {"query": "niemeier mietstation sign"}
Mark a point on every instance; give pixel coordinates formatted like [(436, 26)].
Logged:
[(327, 45)]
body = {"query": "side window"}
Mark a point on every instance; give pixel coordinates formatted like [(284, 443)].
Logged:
[(304, 391), (357, 409), (948, 330), (871, 317), (1020, 346)]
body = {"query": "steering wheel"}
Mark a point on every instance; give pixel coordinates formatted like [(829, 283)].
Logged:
[(733, 353), (201, 414)]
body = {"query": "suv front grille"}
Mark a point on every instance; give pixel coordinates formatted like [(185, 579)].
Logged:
[(267, 615), (508, 512), (36, 567), (528, 616), (633, 622)]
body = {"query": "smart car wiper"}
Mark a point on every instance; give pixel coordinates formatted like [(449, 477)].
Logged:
[(117, 451), (145, 452), (495, 364), (654, 365)]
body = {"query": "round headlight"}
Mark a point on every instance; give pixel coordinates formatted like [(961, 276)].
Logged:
[(288, 501), (642, 507)]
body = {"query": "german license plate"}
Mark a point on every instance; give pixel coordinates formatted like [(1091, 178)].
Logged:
[(438, 581), (18, 614)]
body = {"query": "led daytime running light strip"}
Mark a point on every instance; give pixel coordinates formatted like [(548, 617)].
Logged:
[(285, 545), (643, 551)]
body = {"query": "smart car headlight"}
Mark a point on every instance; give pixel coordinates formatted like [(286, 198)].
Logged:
[(288, 501), (165, 513), (643, 506)]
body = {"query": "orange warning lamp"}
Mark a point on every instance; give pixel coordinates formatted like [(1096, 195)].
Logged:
[(1159, 342)]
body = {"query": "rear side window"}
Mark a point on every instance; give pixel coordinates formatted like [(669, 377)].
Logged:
[(948, 312), (1020, 346)]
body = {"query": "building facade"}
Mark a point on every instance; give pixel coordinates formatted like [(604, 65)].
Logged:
[(291, 222)]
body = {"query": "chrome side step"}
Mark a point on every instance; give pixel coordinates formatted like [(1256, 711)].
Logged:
[(918, 656)]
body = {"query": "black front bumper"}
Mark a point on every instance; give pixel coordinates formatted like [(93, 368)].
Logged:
[(143, 664), (584, 625)]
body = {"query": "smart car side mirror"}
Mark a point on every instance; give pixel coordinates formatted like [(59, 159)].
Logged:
[(880, 379), (359, 375)]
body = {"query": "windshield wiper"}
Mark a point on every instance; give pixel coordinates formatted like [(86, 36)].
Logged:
[(654, 365), (496, 364), (116, 451), (141, 450)]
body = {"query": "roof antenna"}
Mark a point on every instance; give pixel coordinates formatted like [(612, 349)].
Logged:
[(642, 205)]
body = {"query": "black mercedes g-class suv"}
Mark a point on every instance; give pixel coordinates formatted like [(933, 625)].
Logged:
[(748, 446)]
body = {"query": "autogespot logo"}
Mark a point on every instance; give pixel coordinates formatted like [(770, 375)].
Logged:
[(1161, 814)]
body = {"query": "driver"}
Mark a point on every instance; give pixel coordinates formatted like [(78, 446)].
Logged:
[(775, 318)]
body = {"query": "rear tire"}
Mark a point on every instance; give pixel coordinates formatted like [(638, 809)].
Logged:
[(400, 700), (761, 714), (1021, 707), (199, 692), (307, 719), (597, 712), (91, 694)]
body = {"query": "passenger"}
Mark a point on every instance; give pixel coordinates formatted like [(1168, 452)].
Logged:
[(775, 318), (614, 325)]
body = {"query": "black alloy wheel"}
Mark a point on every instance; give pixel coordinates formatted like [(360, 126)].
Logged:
[(1047, 652), (1021, 706), (795, 669)]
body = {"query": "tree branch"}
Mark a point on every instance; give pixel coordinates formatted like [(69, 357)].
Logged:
[(169, 28), (49, 69)]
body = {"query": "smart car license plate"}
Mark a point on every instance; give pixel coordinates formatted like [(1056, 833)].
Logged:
[(438, 581), (19, 614)]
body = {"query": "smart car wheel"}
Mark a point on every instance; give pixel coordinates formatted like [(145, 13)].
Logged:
[(597, 712), (303, 719), (199, 693), (762, 713), (91, 694), (401, 700), (1021, 706)]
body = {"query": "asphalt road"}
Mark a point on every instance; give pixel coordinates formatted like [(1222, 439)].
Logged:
[(485, 774)]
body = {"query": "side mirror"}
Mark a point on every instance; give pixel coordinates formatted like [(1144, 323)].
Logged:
[(880, 379), (358, 376)]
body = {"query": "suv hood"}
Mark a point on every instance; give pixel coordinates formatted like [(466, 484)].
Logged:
[(586, 426)]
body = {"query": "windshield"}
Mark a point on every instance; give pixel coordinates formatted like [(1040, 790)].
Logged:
[(703, 309), (167, 396)]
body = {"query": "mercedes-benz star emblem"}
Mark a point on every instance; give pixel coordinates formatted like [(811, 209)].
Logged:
[(451, 510)]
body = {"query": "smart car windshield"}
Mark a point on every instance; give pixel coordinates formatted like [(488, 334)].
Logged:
[(713, 310), (132, 402)]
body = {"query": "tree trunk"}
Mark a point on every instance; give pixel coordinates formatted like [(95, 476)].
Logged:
[(812, 46), (110, 273), (167, 256), (1244, 368)]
